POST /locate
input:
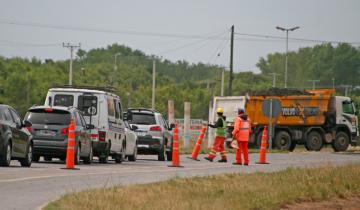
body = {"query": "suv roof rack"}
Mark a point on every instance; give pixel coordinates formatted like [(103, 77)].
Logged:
[(110, 89)]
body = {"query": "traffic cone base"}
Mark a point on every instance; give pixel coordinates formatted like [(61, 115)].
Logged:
[(193, 158)]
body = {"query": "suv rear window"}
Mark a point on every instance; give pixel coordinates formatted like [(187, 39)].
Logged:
[(143, 119), (56, 117), (87, 104), (64, 100)]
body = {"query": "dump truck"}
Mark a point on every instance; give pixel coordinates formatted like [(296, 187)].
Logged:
[(312, 118)]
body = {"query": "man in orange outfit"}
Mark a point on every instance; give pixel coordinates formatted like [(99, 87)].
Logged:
[(241, 133), (218, 145)]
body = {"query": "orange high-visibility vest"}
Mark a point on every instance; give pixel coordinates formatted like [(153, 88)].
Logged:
[(242, 129)]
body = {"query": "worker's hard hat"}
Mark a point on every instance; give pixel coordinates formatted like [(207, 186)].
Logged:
[(219, 110), (241, 111)]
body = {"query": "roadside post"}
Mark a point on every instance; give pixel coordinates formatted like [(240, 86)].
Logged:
[(186, 133), (271, 108)]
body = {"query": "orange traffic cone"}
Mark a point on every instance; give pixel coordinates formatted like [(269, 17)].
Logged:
[(70, 152), (263, 148), (176, 148), (196, 150)]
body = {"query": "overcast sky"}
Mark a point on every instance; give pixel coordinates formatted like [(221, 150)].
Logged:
[(175, 30)]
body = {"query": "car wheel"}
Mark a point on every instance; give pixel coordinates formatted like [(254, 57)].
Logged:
[(134, 155), (47, 158), (35, 158), (89, 158), (77, 156), (26, 162), (314, 141), (6, 159), (341, 142), (283, 140), (161, 154), (169, 155)]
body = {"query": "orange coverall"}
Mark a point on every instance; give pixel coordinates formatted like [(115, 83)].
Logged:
[(241, 133)]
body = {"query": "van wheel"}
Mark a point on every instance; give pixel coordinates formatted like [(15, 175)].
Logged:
[(314, 141), (26, 162), (283, 140), (6, 159), (341, 142), (104, 158), (89, 158), (134, 155), (161, 154)]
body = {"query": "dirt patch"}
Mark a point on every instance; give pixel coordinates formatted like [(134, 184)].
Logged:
[(279, 92), (350, 203)]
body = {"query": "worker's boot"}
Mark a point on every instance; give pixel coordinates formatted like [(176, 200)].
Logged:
[(222, 161)]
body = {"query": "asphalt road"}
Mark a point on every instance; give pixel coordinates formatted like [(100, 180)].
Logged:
[(32, 188)]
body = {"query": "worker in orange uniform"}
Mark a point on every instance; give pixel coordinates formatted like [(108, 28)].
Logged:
[(241, 133), (218, 145)]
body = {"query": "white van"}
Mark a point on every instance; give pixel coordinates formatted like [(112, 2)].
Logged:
[(101, 109)]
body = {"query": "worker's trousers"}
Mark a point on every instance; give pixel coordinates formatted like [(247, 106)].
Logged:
[(243, 148), (218, 146)]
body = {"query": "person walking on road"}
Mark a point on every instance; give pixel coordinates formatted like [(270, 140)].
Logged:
[(218, 145), (241, 133)]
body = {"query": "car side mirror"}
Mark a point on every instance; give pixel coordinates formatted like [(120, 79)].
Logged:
[(27, 124), (134, 127), (90, 126)]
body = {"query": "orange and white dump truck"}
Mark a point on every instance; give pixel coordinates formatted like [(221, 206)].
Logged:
[(313, 119)]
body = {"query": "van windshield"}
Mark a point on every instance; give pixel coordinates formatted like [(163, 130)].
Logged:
[(63, 100), (48, 118)]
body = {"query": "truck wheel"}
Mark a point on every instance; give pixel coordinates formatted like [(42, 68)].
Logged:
[(341, 142), (282, 140), (314, 141)]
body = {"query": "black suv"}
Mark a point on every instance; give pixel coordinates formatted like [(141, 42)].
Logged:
[(50, 130), (15, 138), (154, 133)]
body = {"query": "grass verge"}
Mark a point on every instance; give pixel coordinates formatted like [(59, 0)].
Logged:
[(228, 191)]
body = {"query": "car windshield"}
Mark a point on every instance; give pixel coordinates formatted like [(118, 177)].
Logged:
[(143, 119), (48, 118)]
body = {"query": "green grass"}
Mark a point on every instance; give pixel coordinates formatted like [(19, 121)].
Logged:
[(228, 191)]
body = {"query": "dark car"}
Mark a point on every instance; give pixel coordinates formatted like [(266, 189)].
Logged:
[(15, 139), (153, 132), (50, 128)]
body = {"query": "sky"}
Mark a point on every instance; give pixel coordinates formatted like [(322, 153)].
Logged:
[(190, 30)]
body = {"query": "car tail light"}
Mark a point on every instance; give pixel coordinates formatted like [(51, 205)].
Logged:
[(48, 110), (64, 131), (155, 128), (94, 136), (29, 129), (102, 135)]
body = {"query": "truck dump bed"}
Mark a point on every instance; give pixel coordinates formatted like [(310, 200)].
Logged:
[(309, 108)]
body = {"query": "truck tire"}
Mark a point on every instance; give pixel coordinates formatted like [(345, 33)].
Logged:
[(341, 142), (314, 141), (282, 140)]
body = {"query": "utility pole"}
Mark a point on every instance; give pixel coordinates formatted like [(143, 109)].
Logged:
[(222, 81), (153, 85), (274, 78), (333, 83), (71, 47), (231, 59), (287, 44), (314, 81)]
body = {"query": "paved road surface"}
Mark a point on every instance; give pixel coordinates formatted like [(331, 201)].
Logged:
[(31, 188)]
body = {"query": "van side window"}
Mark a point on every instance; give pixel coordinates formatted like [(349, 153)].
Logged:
[(64, 100), (117, 109), (111, 107), (88, 105)]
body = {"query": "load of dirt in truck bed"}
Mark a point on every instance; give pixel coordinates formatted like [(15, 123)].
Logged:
[(279, 92)]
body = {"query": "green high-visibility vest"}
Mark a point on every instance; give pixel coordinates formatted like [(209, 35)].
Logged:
[(221, 131)]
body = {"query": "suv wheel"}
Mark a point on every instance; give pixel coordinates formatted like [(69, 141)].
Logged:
[(6, 159), (35, 158), (77, 156), (26, 162), (161, 154), (89, 158)]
